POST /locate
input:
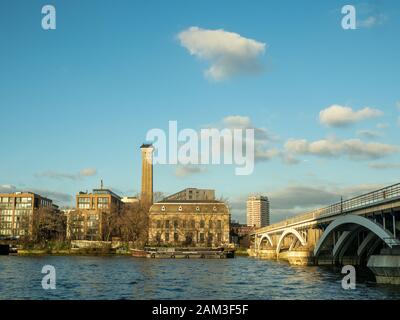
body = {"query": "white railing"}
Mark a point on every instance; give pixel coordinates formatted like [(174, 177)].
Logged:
[(386, 194)]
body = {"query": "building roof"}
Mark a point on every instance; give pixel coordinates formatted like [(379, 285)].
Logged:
[(22, 193), (100, 192), (190, 201), (146, 145), (189, 206)]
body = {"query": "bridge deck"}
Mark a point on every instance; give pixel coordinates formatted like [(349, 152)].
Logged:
[(372, 199)]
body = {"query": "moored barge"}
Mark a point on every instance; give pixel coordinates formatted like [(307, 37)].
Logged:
[(184, 253)]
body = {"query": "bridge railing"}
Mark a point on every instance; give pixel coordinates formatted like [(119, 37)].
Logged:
[(374, 197)]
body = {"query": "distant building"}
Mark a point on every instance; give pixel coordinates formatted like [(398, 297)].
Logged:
[(90, 220), (130, 200), (193, 194), (189, 223), (146, 196), (240, 234), (17, 212), (258, 211)]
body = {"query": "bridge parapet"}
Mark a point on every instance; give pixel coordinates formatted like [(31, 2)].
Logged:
[(384, 195)]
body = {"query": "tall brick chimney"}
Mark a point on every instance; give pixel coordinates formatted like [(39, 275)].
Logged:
[(146, 195)]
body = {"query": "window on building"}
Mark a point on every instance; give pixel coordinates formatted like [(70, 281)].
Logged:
[(219, 224), (210, 237), (158, 224), (102, 200), (189, 238), (176, 237), (167, 224), (175, 224), (201, 237), (167, 236), (219, 237), (201, 223), (84, 203), (103, 203)]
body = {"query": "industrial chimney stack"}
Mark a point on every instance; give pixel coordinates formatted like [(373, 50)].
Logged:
[(146, 196)]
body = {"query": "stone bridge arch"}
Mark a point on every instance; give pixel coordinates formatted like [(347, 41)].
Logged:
[(265, 236), (356, 223), (290, 231)]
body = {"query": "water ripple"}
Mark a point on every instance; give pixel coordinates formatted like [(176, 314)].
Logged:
[(129, 278)]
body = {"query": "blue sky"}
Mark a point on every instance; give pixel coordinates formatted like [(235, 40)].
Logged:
[(83, 96)]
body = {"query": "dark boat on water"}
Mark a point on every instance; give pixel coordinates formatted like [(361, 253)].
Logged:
[(4, 249), (184, 253)]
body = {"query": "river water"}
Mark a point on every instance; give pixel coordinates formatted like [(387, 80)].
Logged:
[(119, 277)]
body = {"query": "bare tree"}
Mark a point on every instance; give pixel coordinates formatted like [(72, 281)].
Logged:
[(158, 196), (110, 222), (75, 225), (133, 224), (47, 224)]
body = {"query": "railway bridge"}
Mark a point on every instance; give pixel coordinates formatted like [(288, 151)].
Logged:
[(362, 231)]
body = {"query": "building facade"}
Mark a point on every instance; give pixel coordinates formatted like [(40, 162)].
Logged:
[(193, 194), (17, 212), (258, 214), (240, 234), (189, 223), (130, 200), (94, 215)]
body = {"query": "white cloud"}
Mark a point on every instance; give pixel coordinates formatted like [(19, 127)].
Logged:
[(183, 171), (382, 125), (369, 134), (340, 116), (236, 122), (353, 148), (384, 166), (58, 197), (86, 172), (229, 53), (371, 21), (265, 155), (7, 188), (262, 137)]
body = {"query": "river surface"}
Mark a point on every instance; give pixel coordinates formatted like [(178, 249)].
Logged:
[(119, 277)]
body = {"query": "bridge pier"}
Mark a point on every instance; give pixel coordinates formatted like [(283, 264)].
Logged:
[(386, 266), (268, 254), (300, 257)]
